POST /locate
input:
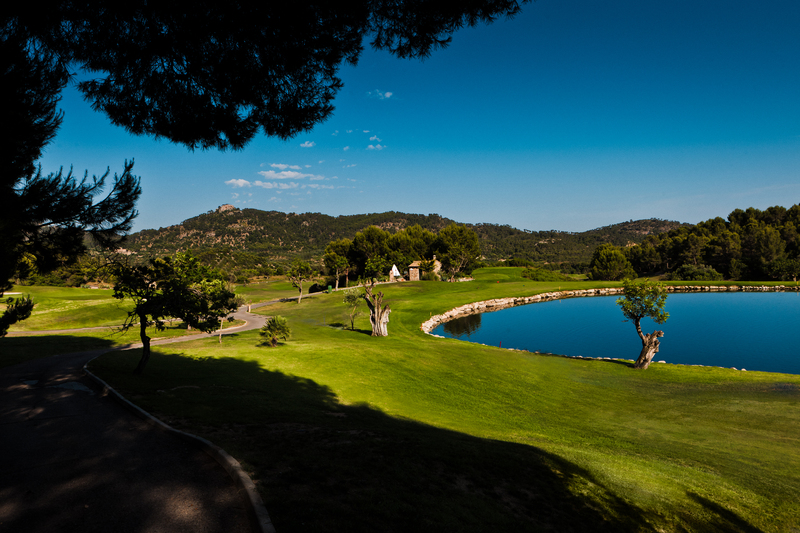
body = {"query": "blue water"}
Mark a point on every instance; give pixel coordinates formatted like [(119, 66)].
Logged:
[(755, 331)]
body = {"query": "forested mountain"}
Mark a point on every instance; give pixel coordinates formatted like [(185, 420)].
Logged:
[(248, 239)]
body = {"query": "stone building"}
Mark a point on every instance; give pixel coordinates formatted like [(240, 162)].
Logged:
[(413, 269)]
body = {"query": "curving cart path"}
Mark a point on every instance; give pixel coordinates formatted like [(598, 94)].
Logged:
[(73, 459)]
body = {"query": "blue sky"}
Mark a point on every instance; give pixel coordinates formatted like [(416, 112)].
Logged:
[(571, 116)]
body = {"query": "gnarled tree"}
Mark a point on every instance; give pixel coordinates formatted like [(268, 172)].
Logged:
[(642, 300), (378, 313)]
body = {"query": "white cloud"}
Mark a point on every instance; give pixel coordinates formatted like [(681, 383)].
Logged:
[(235, 195), (335, 133), (348, 179), (349, 131), (308, 166), (374, 138), (380, 95), (349, 166), (273, 199), (346, 148), (317, 186), (308, 144), (375, 147), (320, 162), (317, 178), (238, 183), (283, 166), (284, 175), (276, 185), (366, 131)]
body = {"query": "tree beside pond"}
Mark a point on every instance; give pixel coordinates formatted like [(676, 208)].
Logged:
[(645, 299)]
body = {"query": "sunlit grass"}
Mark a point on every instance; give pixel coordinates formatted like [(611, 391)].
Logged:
[(349, 432)]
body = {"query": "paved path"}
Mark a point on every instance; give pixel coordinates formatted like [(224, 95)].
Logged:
[(71, 459)]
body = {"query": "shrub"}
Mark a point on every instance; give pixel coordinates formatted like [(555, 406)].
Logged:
[(695, 273), (539, 274), (276, 326)]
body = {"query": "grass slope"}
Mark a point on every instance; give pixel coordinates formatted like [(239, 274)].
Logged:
[(345, 432)]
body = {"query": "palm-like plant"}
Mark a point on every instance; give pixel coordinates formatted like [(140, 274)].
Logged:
[(277, 326)]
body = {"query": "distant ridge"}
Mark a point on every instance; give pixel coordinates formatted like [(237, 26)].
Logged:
[(254, 236)]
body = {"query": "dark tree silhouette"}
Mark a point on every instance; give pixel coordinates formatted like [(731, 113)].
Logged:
[(46, 218), (213, 74)]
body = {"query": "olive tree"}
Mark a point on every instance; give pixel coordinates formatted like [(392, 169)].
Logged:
[(644, 300), (378, 313), (298, 273)]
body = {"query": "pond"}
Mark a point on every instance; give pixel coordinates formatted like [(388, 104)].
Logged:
[(755, 331)]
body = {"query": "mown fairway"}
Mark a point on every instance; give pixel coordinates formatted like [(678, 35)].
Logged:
[(345, 432), (67, 308)]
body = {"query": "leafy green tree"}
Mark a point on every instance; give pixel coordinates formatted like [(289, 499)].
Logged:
[(610, 264), (369, 243), (376, 267), (353, 299), (644, 300), (785, 268), (275, 327), (335, 259), (178, 287), (298, 273), (459, 249)]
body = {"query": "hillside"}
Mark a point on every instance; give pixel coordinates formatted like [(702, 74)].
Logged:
[(246, 238)]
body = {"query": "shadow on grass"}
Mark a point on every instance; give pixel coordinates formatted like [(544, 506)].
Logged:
[(15, 350), (724, 520), (325, 466)]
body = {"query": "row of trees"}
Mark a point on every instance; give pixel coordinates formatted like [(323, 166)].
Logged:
[(750, 244), (373, 251)]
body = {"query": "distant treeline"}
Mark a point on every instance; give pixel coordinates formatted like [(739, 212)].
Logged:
[(750, 245)]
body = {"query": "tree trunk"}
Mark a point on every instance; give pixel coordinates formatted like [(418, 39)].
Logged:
[(346, 278), (300, 288), (337, 280), (145, 345), (378, 316), (649, 349)]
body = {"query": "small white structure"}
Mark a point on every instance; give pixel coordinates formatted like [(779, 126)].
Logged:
[(394, 274)]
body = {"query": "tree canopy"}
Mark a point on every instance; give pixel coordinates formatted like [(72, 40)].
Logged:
[(644, 300), (217, 73), (178, 287)]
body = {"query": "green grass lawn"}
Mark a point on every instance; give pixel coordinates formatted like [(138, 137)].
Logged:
[(346, 432), (68, 308), (274, 289)]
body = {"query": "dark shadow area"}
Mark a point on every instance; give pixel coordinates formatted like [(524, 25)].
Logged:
[(724, 520), (15, 350), (337, 325), (73, 460), (327, 467)]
